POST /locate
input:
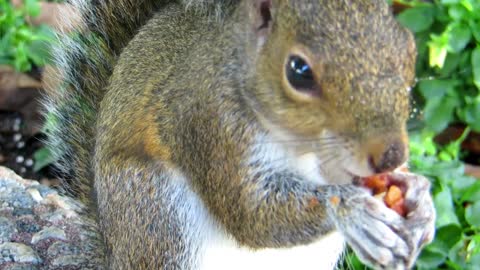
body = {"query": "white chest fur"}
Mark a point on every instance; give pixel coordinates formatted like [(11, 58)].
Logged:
[(219, 251), (321, 255)]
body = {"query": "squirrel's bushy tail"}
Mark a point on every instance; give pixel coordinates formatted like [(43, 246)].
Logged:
[(85, 61)]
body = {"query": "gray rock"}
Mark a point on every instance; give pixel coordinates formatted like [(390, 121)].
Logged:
[(69, 260), (7, 229), (14, 194), (62, 248), (16, 252), (22, 211), (44, 191), (50, 232), (56, 216), (27, 225), (20, 266)]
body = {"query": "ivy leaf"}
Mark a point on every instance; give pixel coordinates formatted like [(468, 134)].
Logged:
[(472, 214), (475, 28), (438, 112), (457, 12), (466, 189), (459, 36), (436, 87), (451, 62), (476, 66), (445, 239), (474, 245), (472, 115), (43, 157), (437, 50), (457, 256), (430, 259), (32, 7), (444, 208), (418, 18)]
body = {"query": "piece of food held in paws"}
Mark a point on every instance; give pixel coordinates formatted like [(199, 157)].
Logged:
[(386, 188)]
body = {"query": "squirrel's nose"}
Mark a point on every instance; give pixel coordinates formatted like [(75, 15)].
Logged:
[(388, 156)]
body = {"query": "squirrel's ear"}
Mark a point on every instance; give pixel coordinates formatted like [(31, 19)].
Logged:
[(262, 19)]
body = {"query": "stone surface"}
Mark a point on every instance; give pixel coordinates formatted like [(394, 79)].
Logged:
[(40, 229), (69, 260), (20, 266), (62, 248), (7, 229), (50, 232), (16, 252)]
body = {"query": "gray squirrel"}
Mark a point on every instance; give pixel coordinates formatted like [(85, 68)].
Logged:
[(208, 134)]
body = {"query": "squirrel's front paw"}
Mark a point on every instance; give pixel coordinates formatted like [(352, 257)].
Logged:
[(420, 219), (381, 237)]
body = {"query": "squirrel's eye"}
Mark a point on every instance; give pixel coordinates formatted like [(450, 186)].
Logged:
[(299, 74)]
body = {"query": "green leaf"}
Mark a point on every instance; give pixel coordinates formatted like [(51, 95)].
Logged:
[(473, 262), (430, 259), (418, 18), (457, 12), (437, 50), (447, 171), (43, 157), (466, 189), (467, 4), (451, 63), (474, 245), (472, 214), (32, 7), (450, 2), (475, 28), (472, 115), (436, 88), (438, 112), (351, 262), (38, 52), (459, 36), (476, 66), (445, 239), (444, 208), (457, 255)]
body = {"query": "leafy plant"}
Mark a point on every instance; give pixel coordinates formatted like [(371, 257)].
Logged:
[(448, 68), (21, 44), (457, 201), (448, 91)]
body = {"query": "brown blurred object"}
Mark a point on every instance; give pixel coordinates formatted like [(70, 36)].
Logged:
[(471, 145), (398, 7), (453, 132), (61, 17), (472, 170), (20, 92)]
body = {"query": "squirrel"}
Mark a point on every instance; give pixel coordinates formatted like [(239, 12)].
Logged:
[(209, 134)]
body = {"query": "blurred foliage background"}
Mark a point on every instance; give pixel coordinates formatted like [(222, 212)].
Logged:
[(23, 45), (444, 126), (444, 129)]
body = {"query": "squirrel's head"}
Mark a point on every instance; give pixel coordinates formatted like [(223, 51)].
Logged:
[(333, 76)]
